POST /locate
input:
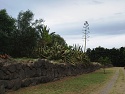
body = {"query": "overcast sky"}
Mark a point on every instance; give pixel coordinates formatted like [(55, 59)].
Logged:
[(106, 19)]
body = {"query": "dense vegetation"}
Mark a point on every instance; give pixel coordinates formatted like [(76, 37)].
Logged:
[(116, 56), (26, 37)]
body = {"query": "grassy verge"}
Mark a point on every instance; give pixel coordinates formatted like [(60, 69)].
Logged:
[(82, 84), (25, 60)]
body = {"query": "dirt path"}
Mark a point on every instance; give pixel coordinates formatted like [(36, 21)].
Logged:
[(119, 86), (117, 83), (110, 84)]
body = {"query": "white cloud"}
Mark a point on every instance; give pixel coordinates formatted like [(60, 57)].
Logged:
[(74, 11), (67, 17)]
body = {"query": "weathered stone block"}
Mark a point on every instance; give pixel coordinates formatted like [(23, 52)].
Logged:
[(38, 72), (43, 72), (39, 63), (35, 80), (18, 66), (11, 68), (22, 74), (28, 72), (26, 82), (2, 75), (17, 84)]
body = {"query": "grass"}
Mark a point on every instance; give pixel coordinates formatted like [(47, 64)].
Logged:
[(82, 84), (25, 60)]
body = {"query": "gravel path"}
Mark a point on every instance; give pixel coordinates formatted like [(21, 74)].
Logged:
[(109, 86)]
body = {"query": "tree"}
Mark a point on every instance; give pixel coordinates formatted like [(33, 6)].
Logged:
[(85, 32), (7, 27), (104, 61), (7, 23), (24, 20), (58, 39), (26, 35)]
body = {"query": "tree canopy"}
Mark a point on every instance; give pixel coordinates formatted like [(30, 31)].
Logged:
[(23, 36), (116, 56), (7, 28)]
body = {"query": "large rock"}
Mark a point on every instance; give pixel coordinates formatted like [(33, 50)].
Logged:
[(14, 84), (26, 82), (35, 80), (39, 63), (44, 79), (18, 66), (22, 74), (17, 84), (28, 72), (38, 72), (11, 68)]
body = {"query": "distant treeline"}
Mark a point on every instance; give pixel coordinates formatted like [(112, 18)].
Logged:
[(117, 56)]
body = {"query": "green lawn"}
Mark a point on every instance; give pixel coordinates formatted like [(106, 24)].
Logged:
[(82, 84)]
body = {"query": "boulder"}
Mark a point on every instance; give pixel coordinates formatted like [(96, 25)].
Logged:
[(17, 84), (38, 72), (35, 80), (11, 68), (39, 63), (28, 72), (21, 74)]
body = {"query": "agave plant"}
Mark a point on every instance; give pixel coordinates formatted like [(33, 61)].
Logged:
[(67, 54)]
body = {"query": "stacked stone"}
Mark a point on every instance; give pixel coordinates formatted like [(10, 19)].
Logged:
[(17, 75)]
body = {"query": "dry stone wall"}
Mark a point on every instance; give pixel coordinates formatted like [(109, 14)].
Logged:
[(15, 76)]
